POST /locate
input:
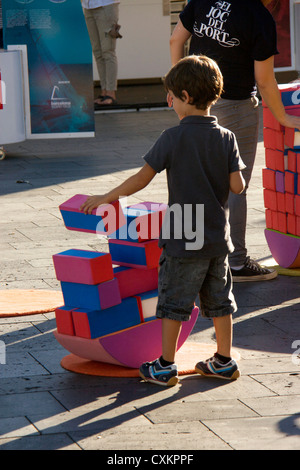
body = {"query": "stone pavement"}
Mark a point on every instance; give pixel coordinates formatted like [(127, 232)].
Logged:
[(43, 406)]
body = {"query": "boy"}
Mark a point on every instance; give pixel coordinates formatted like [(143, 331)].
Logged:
[(202, 163)]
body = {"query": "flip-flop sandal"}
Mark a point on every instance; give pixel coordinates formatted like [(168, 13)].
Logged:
[(98, 106)]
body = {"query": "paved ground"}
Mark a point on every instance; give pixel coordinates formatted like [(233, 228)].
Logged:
[(43, 406)]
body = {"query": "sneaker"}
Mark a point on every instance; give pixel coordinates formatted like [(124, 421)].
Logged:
[(252, 271), (213, 368), (155, 373)]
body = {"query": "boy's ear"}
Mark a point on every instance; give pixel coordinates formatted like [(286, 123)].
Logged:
[(186, 97)]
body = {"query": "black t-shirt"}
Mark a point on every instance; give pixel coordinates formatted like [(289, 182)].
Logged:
[(198, 156), (234, 34)]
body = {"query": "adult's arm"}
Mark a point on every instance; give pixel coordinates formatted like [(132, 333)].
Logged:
[(267, 85), (177, 41)]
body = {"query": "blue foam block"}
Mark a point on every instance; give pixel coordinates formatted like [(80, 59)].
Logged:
[(94, 324), (95, 297)]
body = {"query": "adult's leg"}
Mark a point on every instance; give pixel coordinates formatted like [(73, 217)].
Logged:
[(242, 118), (106, 17)]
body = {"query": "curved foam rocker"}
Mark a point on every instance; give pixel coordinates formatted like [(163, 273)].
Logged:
[(130, 347), (285, 248)]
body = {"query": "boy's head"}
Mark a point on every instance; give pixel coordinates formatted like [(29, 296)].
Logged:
[(199, 76)]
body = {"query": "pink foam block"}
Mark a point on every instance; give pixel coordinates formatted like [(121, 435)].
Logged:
[(274, 159), (268, 178), (268, 216), (133, 281), (64, 320), (285, 248), (289, 203), (269, 121), (83, 266), (292, 136), (104, 219), (297, 205), (290, 182), (142, 343), (281, 222), (291, 224), (273, 139), (144, 255), (292, 161), (280, 197), (270, 199), (148, 218)]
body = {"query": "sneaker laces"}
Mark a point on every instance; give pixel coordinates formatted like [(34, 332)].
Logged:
[(255, 266)]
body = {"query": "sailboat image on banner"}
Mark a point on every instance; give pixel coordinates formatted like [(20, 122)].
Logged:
[(57, 100)]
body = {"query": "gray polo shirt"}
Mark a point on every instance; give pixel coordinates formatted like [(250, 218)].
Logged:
[(198, 156)]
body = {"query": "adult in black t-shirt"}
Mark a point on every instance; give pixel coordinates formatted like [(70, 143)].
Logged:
[(241, 36)]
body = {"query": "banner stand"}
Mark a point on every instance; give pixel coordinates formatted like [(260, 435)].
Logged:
[(57, 72)]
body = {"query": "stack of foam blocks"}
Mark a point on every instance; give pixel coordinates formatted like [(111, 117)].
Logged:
[(281, 181), (110, 297)]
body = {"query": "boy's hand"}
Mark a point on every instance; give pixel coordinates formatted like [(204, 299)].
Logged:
[(91, 203)]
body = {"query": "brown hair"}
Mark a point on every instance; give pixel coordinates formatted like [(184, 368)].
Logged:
[(200, 76)]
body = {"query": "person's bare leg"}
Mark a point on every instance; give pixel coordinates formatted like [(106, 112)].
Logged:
[(170, 334), (223, 329)]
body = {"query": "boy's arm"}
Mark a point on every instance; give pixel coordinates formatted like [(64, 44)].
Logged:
[(236, 182), (133, 184)]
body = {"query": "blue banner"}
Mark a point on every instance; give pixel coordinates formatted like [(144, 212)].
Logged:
[(59, 63)]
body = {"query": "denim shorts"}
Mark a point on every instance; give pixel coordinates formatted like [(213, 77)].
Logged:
[(182, 279)]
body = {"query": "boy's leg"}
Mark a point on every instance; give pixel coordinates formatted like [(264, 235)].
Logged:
[(180, 280), (170, 334), (223, 329), (218, 303)]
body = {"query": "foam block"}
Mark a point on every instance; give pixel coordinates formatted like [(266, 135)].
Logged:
[(97, 323), (297, 205), (292, 161), (281, 222), (96, 297), (134, 281), (279, 181), (290, 94), (298, 226), (292, 138), (270, 200), (268, 216), (275, 225), (83, 266), (273, 139), (144, 255), (268, 179), (103, 220), (290, 182), (291, 224), (289, 203), (147, 303), (269, 121), (280, 197), (64, 320), (276, 159), (143, 222)]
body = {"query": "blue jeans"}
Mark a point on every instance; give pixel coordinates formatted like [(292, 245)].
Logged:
[(182, 279), (242, 118)]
